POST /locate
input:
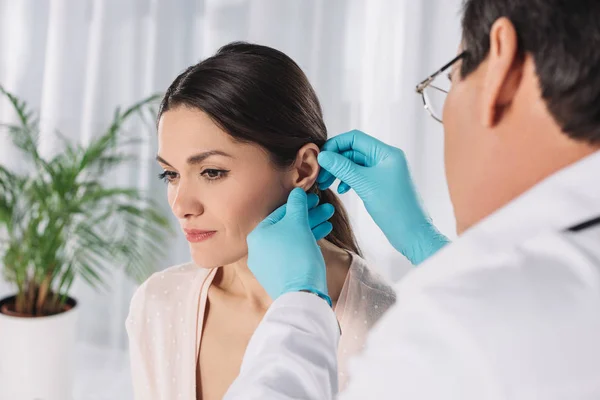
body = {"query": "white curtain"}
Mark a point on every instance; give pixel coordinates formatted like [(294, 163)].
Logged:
[(76, 60)]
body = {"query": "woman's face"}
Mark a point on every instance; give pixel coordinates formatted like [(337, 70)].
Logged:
[(218, 189)]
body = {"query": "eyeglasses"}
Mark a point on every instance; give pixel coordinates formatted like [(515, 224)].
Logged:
[(434, 89)]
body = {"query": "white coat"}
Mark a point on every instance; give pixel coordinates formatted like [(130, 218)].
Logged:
[(511, 310)]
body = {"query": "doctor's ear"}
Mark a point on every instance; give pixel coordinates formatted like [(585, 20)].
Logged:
[(306, 167)]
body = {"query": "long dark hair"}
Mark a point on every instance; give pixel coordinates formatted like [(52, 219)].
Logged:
[(259, 95)]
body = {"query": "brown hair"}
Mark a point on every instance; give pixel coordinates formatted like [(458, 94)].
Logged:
[(259, 95)]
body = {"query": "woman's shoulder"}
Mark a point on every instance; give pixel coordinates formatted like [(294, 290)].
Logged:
[(370, 280), (160, 310), (175, 276), (366, 296), (167, 286)]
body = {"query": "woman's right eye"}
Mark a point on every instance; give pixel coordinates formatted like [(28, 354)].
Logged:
[(168, 176)]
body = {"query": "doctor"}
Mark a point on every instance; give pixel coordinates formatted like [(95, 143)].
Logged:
[(511, 310)]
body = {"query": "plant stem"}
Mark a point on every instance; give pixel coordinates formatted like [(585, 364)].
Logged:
[(44, 289), (31, 292), (55, 301), (20, 301)]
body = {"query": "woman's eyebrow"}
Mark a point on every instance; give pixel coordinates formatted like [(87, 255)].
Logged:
[(162, 160), (197, 158)]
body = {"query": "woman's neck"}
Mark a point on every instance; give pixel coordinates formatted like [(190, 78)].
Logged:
[(237, 280)]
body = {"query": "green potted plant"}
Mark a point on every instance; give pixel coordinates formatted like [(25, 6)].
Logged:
[(59, 222)]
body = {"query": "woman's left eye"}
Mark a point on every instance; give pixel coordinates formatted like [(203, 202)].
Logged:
[(214, 174)]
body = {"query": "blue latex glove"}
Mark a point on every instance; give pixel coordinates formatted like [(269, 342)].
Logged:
[(379, 174), (283, 253), (318, 216)]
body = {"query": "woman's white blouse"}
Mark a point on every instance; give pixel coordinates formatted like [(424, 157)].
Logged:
[(167, 312)]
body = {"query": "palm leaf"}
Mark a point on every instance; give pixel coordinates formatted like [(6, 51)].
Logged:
[(63, 222), (25, 116), (100, 146)]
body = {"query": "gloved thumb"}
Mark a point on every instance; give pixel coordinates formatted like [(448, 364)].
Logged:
[(339, 166), (297, 206)]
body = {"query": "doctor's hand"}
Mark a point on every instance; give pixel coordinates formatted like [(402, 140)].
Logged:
[(283, 253), (379, 174)]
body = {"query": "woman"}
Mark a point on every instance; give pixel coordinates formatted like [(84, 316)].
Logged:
[(237, 132)]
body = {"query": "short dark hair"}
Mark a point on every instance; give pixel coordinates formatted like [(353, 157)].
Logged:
[(259, 95), (563, 37)]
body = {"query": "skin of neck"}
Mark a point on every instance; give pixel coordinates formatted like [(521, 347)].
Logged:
[(237, 281)]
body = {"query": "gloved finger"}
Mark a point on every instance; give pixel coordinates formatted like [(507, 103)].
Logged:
[(343, 188), (318, 215), (353, 140), (323, 176), (297, 207), (321, 231), (274, 217), (325, 179), (356, 157), (327, 182), (340, 167), (312, 200), (338, 144)]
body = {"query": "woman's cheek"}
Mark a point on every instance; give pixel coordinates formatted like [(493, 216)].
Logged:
[(250, 206), (171, 193)]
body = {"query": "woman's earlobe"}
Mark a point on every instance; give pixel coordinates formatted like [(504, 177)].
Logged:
[(306, 167)]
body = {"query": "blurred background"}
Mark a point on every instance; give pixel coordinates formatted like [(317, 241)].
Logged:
[(75, 61)]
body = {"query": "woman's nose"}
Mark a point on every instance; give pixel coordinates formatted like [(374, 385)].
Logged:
[(185, 202)]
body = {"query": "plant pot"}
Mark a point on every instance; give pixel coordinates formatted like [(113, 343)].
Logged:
[(37, 354)]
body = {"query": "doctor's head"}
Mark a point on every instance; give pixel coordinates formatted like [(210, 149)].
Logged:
[(524, 100), (237, 132)]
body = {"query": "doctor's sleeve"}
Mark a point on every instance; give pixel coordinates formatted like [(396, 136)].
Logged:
[(292, 354), (418, 352)]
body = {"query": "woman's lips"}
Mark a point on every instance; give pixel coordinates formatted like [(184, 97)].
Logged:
[(197, 235)]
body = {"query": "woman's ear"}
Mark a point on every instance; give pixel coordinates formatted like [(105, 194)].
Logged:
[(306, 167)]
